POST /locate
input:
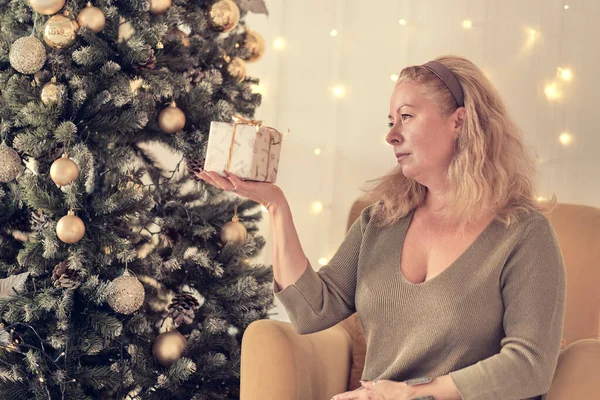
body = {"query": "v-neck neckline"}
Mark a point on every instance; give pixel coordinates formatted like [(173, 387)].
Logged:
[(398, 261)]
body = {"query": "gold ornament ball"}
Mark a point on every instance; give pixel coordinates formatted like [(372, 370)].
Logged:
[(47, 7), (237, 68), (179, 34), (53, 93), (10, 164), (233, 232), (60, 31), (171, 119), (169, 347), (126, 30), (223, 16), (159, 7), (70, 228), (126, 294), (64, 171), (92, 18), (256, 44), (27, 55)]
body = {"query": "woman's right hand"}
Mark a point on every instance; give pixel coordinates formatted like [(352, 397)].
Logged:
[(266, 194)]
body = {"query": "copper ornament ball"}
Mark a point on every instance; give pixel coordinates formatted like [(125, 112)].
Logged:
[(169, 347), (47, 7), (60, 31), (64, 171), (256, 44), (70, 228), (159, 7), (171, 119), (92, 18), (223, 16), (237, 68)]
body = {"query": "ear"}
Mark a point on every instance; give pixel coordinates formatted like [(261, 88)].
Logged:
[(458, 120)]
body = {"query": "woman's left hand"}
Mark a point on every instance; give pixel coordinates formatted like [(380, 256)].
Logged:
[(382, 390)]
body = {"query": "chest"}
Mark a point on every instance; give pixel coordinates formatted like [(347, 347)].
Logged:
[(428, 252)]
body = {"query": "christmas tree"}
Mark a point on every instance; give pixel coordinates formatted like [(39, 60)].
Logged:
[(119, 278)]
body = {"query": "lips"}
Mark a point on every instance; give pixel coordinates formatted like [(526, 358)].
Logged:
[(401, 154)]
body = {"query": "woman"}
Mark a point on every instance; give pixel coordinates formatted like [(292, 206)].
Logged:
[(455, 274)]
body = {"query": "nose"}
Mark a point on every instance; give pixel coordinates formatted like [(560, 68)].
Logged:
[(394, 136)]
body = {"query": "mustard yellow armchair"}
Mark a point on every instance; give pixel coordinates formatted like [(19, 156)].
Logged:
[(277, 363)]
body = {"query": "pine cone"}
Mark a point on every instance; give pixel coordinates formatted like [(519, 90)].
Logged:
[(150, 62), (194, 167), (64, 277), (194, 75), (183, 308)]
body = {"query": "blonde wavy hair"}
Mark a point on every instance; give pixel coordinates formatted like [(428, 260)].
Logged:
[(492, 171)]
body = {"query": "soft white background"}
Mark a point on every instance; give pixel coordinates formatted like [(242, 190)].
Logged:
[(297, 81)]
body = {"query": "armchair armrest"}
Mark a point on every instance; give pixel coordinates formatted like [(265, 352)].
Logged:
[(577, 374), (278, 363)]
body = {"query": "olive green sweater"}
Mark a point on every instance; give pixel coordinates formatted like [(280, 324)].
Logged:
[(493, 319)]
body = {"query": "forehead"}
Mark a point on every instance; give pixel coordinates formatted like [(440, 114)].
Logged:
[(405, 93)]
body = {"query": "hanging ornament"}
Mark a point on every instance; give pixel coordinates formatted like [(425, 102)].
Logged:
[(177, 34), (255, 44), (64, 171), (159, 7), (70, 228), (169, 347), (234, 231), (223, 16), (237, 68), (27, 55), (53, 93), (60, 31), (92, 18), (47, 7), (171, 119), (126, 294), (10, 167)]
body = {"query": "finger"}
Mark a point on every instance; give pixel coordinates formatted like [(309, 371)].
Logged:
[(221, 182), (207, 178)]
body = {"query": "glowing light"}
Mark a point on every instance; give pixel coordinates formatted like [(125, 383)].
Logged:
[(566, 7), (402, 22), (565, 138), (333, 32), (394, 77), (551, 91), (279, 43), (323, 261), (317, 151), (467, 24), (317, 207), (339, 91), (565, 74)]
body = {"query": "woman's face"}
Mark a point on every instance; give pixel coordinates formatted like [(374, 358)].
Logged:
[(417, 129)]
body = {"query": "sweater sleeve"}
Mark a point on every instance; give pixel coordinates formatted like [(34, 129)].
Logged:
[(320, 299), (533, 288)]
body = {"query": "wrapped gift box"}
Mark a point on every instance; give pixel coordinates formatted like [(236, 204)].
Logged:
[(245, 148)]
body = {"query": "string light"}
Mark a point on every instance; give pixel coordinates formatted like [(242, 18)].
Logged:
[(565, 138), (339, 91), (565, 74), (566, 6), (333, 32), (402, 22), (279, 43), (317, 207), (394, 77), (323, 261), (551, 91), (317, 151), (467, 24)]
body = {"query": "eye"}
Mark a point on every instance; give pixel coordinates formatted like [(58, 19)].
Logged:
[(391, 124)]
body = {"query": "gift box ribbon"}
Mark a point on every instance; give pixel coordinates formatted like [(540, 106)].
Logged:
[(238, 120)]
